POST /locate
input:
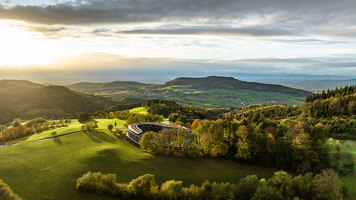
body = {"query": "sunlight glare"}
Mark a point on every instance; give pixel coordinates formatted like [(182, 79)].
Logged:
[(19, 47)]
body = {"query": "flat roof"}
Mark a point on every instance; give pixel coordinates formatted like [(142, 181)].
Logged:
[(134, 127)]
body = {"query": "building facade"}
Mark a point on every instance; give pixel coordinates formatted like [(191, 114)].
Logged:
[(136, 131)]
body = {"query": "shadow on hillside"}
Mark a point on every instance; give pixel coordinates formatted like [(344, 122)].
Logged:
[(99, 137), (88, 121)]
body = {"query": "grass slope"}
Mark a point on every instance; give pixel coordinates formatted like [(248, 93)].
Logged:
[(48, 169), (140, 110)]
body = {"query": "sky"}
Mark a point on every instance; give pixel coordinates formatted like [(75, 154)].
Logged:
[(137, 39)]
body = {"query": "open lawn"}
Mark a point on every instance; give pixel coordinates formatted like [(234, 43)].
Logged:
[(140, 110), (48, 169), (72, 127)]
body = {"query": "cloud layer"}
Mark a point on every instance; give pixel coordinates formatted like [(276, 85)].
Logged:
[(295, 36), (137, 11)]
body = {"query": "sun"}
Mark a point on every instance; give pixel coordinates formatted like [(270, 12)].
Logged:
[(21, 48)]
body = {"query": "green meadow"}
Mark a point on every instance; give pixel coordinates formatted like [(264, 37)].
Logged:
[(140, 110), (350, 180), (48, 169)]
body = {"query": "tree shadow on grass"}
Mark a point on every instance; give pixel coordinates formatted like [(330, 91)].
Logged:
[(88, 121), (57, 140), (99, 137)]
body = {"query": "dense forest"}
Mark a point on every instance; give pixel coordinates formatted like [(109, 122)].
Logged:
[(287, 137)]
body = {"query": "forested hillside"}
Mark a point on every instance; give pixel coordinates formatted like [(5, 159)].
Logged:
[(24, 99), (287, 137)]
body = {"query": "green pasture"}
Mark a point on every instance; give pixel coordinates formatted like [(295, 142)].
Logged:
[(140, 110), (48, 169)]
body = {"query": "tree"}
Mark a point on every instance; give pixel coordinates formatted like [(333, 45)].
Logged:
[(247, 187), (212, 138), (327, 186), (2, 127), (112, 115), (172, 189), (283, 181), (146, 142), (16, 122), (195, 124), (110, 127), (143, 186), (83, 117), (267, 193)]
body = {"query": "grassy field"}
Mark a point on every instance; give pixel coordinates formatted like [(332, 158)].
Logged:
[(141, 110), (350, 180), (72, 127), (48, 169)]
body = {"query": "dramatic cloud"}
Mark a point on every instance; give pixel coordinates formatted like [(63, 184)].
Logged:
[(206, 30), (289, 36), (128, 11)]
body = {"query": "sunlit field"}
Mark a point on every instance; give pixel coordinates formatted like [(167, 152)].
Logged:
[(48, 169)]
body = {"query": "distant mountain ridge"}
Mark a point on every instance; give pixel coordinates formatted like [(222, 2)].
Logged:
[(218, 82), (210, 82), (107, 84)]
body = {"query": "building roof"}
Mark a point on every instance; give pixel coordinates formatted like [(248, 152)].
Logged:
[(137, 130)]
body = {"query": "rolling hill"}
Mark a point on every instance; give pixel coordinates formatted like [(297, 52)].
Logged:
[(89, 87), (212, 91), (230, 83), (25, 99)]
